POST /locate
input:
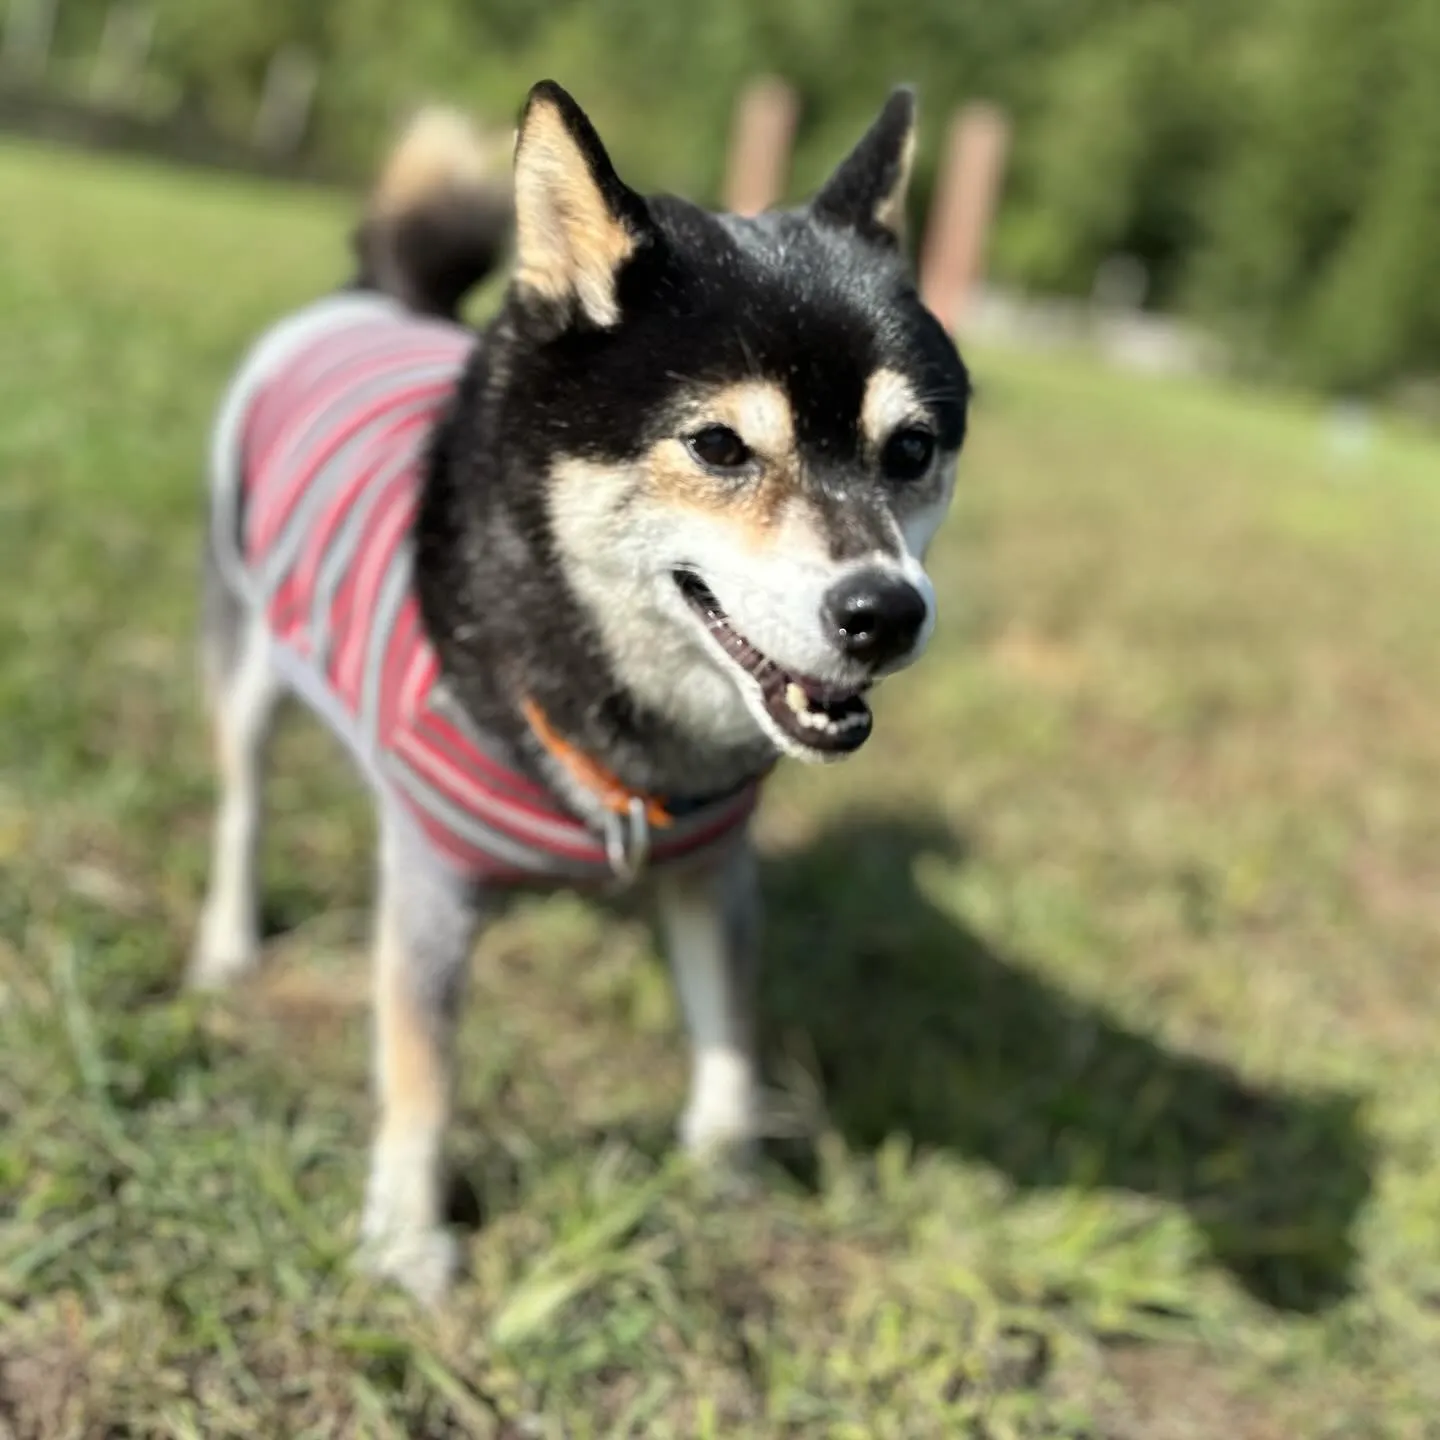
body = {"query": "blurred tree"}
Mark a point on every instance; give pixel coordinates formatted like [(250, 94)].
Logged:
[(1134, 120), (1327, 221), (1274, 164)]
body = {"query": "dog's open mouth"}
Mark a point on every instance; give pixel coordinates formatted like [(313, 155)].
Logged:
[(820, 716)]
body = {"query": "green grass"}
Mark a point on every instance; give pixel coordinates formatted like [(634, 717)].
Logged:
[(1100, 993)]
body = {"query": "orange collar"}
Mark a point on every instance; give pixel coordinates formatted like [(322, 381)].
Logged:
[(607, 788)]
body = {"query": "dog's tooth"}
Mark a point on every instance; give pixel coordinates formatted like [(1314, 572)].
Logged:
[(797, 699)]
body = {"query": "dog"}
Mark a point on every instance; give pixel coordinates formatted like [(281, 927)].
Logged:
[(569, 586)]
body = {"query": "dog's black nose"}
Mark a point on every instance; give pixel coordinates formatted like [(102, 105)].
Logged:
[(876, 618)]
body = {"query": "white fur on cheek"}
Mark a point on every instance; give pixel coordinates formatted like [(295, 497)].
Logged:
[(916, 531), (917, 575), (615, 559), (775, 597), (918, 526)]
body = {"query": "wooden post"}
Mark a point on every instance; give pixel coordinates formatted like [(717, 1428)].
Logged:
[(29, 29), (760, 146), (284, 111), (965, 197)]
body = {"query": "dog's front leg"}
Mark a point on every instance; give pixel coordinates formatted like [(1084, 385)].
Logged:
[(426, 922), (710, 919)]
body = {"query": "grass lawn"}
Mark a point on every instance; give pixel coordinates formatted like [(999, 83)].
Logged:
[(1101, 1000)]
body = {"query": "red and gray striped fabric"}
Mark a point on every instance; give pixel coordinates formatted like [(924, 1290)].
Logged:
[(331, 429)]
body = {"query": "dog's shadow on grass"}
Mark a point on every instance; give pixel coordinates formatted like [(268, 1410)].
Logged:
[(919, 1027)]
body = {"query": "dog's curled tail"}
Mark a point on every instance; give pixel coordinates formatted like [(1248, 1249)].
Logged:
[(438, 219)]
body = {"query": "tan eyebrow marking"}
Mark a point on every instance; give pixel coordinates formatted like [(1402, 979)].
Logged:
[(758, 411), (889, 401)]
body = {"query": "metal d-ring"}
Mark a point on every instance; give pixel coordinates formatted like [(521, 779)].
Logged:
[(627, 841)]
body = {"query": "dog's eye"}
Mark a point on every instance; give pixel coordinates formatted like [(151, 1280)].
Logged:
[(907, 454), (719, 447)]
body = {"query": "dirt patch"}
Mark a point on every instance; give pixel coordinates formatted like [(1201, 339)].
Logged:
[(1172, 1394), (45, 1390)]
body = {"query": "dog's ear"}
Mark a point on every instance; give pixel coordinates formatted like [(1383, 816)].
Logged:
[(867, 192), (576, 222)]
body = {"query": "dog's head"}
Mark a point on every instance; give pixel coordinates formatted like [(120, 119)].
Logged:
[(746, 430)]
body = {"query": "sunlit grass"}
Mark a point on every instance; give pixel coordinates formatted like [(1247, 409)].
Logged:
[(1104, 977)]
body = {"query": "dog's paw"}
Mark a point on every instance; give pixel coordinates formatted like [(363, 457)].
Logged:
[(721, 1122), (224, 954), (725, 1160), (423, 1262), (402, 1237), (724, 1138)]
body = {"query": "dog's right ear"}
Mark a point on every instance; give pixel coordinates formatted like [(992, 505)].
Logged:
[(577, 224)]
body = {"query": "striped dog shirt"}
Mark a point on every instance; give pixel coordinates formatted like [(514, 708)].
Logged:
[(318, 458)]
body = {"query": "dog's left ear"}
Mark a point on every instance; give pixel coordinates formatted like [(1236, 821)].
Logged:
[(576, 222), (867, 193)]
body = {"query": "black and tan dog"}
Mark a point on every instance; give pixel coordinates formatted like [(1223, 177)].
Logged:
[(568, 587)]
